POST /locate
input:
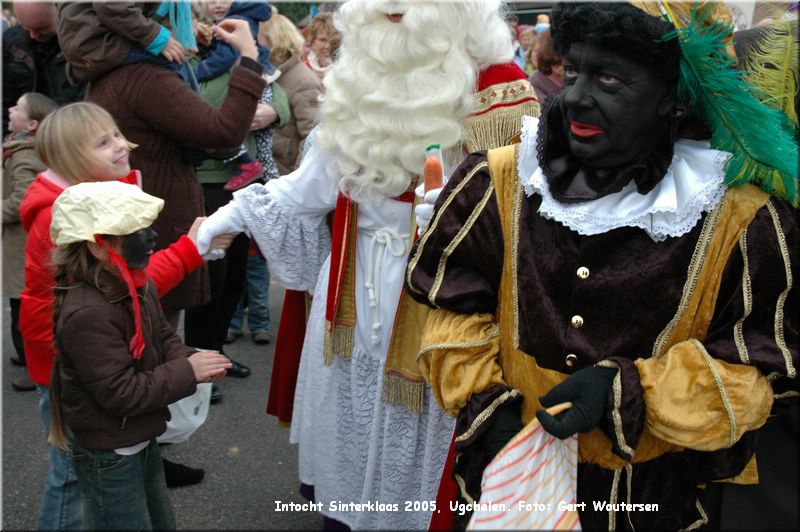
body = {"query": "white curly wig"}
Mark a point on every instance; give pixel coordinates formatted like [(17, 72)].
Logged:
[(398, 87)]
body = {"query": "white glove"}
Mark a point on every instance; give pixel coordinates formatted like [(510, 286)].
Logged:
[(214, 254), (424, 210), (227, 219)]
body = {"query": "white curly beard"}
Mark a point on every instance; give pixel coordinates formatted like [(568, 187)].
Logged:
[(398, 87)]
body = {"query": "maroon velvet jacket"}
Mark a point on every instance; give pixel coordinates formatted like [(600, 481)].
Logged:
[(631, 292)]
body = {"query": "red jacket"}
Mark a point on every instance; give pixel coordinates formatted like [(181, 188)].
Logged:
[(166, 268)]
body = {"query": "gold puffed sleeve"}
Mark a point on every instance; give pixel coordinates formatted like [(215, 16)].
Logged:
[(458, 356), (699, 402)]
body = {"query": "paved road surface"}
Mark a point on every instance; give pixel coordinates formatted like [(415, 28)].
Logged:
[(248, 460)]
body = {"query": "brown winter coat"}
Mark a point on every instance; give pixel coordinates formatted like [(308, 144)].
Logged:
[(20, 168), (155, 109), (303, 88), (96, 37), (109, 400)]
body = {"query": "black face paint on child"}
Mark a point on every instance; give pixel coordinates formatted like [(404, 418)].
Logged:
[(136, 248), (613, 107)]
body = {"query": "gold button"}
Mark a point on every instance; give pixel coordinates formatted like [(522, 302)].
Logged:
[(571, 359), (576, 321), (583, 272)]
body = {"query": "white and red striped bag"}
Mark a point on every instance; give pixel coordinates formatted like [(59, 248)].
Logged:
[(530, 484)]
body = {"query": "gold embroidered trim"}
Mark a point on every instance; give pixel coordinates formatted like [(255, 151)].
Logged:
[(463, 489), (432, 226), (462, 345), (779, 337), (487, 412), (695, 266), (785, 395), (339, 342), (721, 387), (514, 254), (399, 391), (616, 416), (612, 499), (703, 517), (502, 94), (774, 376), (747, 296), (629, 487), (462, 233)]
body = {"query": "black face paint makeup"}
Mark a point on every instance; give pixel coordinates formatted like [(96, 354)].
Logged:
[(137, 248), (611, 106)]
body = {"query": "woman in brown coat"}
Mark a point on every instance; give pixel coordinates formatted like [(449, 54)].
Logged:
[(157, 111), (301, 85)]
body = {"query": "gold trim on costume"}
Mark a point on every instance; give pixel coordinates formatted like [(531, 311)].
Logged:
[(487, 412), (747, 296), (461, 345), (515, 256), (432, 226), (721, 387), (695, 266), (612, 500), (616, 417), (462, 233), (703, 517), (786, 395), (780, 340), (505, 94), (629, 487)]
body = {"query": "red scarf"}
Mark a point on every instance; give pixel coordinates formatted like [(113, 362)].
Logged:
[(134, 279)]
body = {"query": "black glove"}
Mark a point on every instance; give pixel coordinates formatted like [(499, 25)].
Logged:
[(507, 423), (587, 390)]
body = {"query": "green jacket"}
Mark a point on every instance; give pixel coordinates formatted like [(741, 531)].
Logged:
[(213, 91)]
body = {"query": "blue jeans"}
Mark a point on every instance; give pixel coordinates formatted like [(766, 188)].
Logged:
[(121, 492), (62, 508), (256, 297)]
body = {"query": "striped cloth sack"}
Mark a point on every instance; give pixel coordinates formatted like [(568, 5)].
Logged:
[(530, 484)]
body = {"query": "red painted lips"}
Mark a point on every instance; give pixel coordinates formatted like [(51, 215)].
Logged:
[(584, 130)]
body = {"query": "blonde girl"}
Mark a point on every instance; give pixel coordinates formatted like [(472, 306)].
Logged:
[(120, 364), (78, 143)]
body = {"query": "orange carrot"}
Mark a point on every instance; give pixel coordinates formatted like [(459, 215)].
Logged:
[(432, 173)]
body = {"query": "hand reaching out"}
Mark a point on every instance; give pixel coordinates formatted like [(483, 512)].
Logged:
[(218, 244), (209, 366), (173, 51), (236, 32)]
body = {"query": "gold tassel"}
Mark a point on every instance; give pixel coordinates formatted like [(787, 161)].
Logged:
[(338, 343), (398, 391), (495, 129)]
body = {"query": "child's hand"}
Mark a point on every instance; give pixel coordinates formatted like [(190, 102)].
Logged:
[(209, 366), (203, 33), (218, 244), (173, 51), (236, 32)]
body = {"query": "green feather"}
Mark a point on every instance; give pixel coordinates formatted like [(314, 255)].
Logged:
[(759, 138)]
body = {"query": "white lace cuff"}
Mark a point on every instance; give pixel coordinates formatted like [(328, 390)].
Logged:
[(295, 246)]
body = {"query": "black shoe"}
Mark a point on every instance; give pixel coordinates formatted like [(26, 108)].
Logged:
[(216, 394), (25, 384), (240, 371), (178, 475), (17, 361)]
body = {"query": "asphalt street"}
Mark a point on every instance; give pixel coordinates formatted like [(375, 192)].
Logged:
[(248, 460)]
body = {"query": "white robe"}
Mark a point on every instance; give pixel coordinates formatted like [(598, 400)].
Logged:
[(354, 448)]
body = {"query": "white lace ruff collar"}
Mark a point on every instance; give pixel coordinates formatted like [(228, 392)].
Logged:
[(694, 184)]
